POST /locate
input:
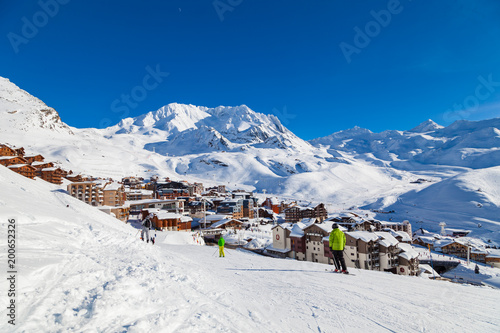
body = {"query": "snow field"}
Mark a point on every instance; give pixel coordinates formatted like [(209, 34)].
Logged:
[(82, 270)]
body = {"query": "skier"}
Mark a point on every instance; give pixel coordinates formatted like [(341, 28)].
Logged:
[(476, 269), (337, 245), (146, 225), (221, 246)]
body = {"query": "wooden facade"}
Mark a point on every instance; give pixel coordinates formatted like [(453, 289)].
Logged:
[(24, 170), (168, 221), (42, 165), (34, 158), (455, 249), (7, 151), (11, 160), (51, 175), (297, 213), (20, 151)]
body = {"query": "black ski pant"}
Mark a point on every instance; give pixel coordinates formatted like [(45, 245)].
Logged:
[(338, 259)]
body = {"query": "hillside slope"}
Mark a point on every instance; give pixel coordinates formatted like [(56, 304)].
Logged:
[(470, 200), (82, 270)]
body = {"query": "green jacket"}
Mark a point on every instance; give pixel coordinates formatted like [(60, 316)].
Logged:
[(222, 242), (337, 239)]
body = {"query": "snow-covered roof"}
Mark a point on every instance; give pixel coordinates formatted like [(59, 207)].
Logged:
[(408, 251), (386, 239), (287, 226), (17, 166), (217, 217), (164, 215), (470, 241), (308, 220), (493, 253), (427, 269), (403, 234), (186, 219), (9, 157), (426, 239), (422, 232), (137, 190), (36, 163), (297, 230), (112, 186), (151, 201), (365, 236), (223, 222), (51, 169), (149, 210)]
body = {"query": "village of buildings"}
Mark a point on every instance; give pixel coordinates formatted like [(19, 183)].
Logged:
[(295, 230)]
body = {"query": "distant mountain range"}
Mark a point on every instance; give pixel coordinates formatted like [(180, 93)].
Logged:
[(245, 149), (471, 144)]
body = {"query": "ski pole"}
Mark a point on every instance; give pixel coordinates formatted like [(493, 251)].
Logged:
[(214, 252)]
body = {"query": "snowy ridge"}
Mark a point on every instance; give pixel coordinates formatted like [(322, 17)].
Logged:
[(471, 144), (21, 111), (229, 128), (83, 270)]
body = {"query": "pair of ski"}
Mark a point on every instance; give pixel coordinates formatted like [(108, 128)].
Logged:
[(337, 271)]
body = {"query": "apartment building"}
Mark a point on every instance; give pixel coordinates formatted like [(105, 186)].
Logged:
[(297, 213)]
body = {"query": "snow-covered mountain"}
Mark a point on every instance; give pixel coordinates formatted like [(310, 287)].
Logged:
[(241, 148), (188, 129), (471, 144), (22, 112)]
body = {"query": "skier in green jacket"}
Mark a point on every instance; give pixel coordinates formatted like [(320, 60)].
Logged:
[(221, 246), (337, 245)]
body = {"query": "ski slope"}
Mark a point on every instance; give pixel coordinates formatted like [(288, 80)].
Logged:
[(82, 270)]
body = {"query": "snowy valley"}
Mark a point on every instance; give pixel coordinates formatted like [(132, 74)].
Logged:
[(82, 270)]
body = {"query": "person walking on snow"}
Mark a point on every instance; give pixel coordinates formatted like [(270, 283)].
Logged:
[(221, 246), (337, 245), (146, 225)]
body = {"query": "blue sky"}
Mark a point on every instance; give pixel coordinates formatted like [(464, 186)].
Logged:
[(321, 66)]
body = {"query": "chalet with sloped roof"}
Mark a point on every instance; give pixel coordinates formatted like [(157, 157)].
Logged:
[(52, 175), (7, 151), (34, 158), (11, 160), (25, 170)]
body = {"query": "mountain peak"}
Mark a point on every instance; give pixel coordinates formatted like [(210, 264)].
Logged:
[(26, 112), (427, 126)]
